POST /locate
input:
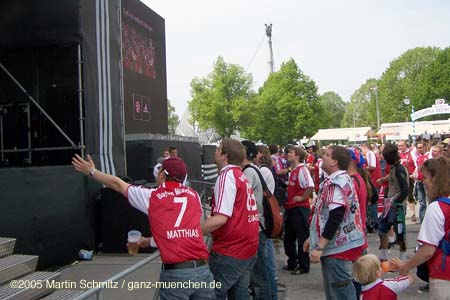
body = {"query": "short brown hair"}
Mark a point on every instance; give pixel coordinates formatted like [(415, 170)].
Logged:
[(234, 150), (273, 148), (365, 268), (266, 159), (342, 156), (439, 170), (298, 152)]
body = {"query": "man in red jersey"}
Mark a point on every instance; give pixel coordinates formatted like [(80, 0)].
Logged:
[(407, 160), (418, 177), (297, 209), (174, 212), (234, 224)]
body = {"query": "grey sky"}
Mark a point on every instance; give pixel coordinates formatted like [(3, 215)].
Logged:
[(339, 44)]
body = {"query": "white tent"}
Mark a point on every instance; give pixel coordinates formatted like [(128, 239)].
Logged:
[(342, 134), (398, 131)]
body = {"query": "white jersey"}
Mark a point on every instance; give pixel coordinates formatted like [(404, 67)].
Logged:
[(268, 178), (432, 229)]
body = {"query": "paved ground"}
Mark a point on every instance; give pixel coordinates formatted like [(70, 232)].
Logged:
[(308, 286)]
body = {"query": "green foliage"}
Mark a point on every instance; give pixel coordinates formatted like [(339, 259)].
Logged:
[(405, 77), (219, 101), (435, 82), (421, 74), (285, 108), (332, 110), (173, 118), (361, 111)]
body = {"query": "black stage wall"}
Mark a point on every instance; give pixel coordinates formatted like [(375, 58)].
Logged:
[(46, 210), (39, 47), (142, 156)]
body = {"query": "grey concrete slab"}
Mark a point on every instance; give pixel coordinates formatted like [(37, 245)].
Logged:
[(307, 286)]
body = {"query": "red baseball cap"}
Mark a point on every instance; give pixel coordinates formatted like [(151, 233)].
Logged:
[(175, 167)]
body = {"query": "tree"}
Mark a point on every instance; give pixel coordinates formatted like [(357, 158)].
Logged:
[(436, 79), (285, 108), (405, 78), (333, 109), (219, 100), (361, 111), (173, 118)]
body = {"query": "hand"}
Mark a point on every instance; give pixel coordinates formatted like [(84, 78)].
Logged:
[(379, 180), (306, 245), (315, 256), (144, 242), (82, 165), (395, 264), (403, 270)]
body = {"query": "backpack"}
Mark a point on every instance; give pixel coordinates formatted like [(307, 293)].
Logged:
[(280, 188), (273, 218)]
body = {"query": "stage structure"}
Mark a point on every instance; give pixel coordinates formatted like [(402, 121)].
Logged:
[(75, 77)]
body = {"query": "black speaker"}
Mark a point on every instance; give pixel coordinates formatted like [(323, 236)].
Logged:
[(117, 218)]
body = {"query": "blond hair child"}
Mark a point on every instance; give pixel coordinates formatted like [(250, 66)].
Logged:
[(367, 271)]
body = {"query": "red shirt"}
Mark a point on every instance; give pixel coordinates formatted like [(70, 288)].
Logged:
[(299, 180), (375, 174), (406, 159), (233, 197), (387, 289), (310, 159), (361, 193), (420, 160), (174, 213)]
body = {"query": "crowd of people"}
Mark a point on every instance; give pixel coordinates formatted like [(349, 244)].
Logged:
[(331, 198)]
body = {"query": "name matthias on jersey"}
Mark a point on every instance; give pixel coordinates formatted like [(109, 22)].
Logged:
[(182, 233)]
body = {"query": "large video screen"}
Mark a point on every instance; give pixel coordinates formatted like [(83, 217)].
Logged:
[(144, 66)]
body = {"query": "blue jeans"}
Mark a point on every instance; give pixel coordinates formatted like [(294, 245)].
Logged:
[(272, 269), (187, 278), (372, 214), (233, 275), (259, 277), (337, 279), (422, 197)]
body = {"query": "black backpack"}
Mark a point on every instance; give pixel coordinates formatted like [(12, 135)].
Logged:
[(280, 188)]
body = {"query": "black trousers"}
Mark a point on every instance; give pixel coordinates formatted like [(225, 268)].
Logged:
[(296, 231)]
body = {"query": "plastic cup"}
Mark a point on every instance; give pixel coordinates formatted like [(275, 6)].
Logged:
[(133, 241)]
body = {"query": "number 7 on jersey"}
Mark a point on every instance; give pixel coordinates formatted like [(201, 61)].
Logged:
[(183, 201)]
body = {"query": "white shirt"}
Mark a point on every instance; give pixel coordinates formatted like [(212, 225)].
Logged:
[(371, 159), (432, 229), (268, 178), (139, 197)]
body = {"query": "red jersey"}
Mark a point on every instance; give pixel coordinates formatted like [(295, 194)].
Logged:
[(174, 215), (310, 159), (384, 289), (233, 197), (361, 193), (421, 158), (375, 174), (387, 170), (299, 180), (407, 160)]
